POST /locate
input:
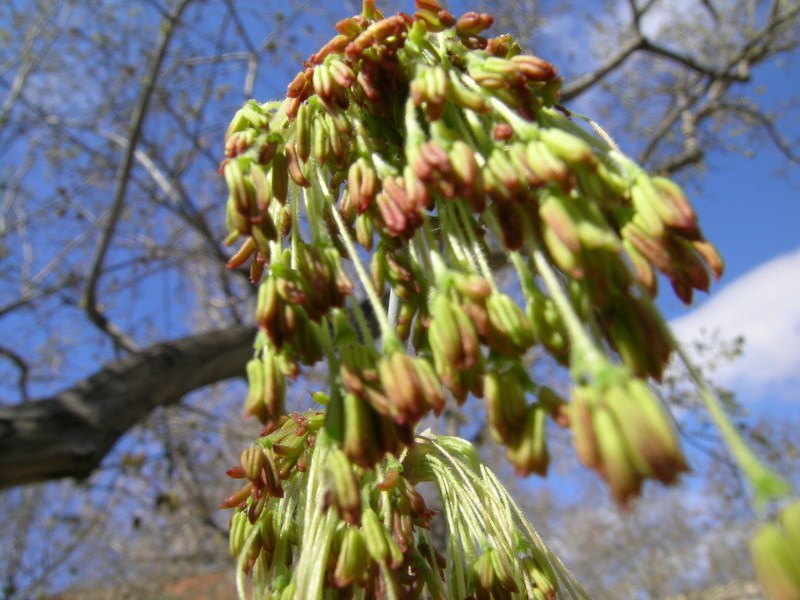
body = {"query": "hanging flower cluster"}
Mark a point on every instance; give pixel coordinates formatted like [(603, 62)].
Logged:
[(413, 148), (306, 521)]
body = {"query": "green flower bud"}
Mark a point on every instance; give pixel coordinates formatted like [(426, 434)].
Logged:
[(375, 536), (505, 405), (584, 438), (777, 562), (528, 453), (344, 486), (351, 564), (617, 468), (239, 529), (568, 147), (509, 331), (789, 519)]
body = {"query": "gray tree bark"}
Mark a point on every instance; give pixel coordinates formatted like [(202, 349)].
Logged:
[(68, 434)]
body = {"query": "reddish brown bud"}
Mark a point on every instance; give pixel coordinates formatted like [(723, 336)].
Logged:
[(293, 165), (472, 23), (446, 18), (499, 46), (298, 84), (429, 5), (389, 481), (335, 46), (394, 219), (241, 256), (367, 83), (350, 27), (237, 498), (292, 106), (502, 132), (236, 473), (710, 256), (534, 68)]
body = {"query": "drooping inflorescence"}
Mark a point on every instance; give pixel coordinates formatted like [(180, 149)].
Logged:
[(408, 152)]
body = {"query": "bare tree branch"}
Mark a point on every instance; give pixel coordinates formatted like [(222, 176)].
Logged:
[(67, 435), (583, 83), (22, 367), (89, 300), (767, 124), (36, 34), (691, 63)]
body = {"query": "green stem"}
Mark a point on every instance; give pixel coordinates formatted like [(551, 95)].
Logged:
[(333, 418), (585, 355), (451, 232), (437, 262), (394, 309), (318, 198), (477, 251), (420, 255), (389, 338), (295, 198), (526, 280), (314, 542), (766, 483), (361, 321), (604, 135)]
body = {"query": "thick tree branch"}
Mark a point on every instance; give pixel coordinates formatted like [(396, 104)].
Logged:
[(691, 63), (67, 435), (583, 83)]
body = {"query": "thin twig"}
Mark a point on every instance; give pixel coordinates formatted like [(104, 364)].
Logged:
[(22, 367), (89, 298)]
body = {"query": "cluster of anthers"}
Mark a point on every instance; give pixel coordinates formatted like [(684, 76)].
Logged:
[(407, 152)]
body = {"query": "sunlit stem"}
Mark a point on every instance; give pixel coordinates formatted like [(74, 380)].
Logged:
[(324, 336), (295, 199), (604, 135), (586, 357), (361, 321), (318, 527), (437, 262), (394, 309), (450, 236), (524, 275), (767, 485), (477, 250), (585, 353), (389, 338)]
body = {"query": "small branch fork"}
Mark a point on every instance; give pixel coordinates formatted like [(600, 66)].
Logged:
[(89, 298), (704, 98)]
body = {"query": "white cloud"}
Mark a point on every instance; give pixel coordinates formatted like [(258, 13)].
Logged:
[(763, 306)]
